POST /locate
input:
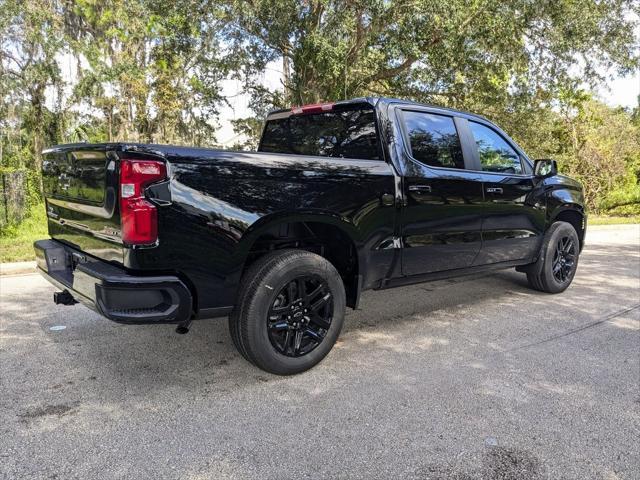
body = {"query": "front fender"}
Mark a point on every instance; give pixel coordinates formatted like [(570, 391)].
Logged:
[(563, 199), (567, 204), (563, 193)]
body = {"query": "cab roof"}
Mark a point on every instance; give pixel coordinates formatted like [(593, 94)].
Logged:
[(372, 101)]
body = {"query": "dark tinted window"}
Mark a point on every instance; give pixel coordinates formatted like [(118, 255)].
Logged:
[(434, 139), (348, 134), (496, 155)]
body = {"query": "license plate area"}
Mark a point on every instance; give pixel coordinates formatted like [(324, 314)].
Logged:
[(57, 259), (60, 265)]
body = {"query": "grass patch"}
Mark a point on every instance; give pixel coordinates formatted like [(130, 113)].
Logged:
[(16, 241), (612, 220)]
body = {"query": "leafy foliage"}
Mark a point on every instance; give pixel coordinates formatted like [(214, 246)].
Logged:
[(151, 71), (601, 147), (460, 53), (16, 241)]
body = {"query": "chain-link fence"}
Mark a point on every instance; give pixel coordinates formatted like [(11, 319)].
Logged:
[(13, 197)]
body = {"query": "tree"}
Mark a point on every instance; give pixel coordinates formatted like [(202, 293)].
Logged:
[(150, 71), (489, 56), (30, 39), (600, 146), (152, 67)]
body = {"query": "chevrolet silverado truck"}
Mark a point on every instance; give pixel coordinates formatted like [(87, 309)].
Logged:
[(370, 193)]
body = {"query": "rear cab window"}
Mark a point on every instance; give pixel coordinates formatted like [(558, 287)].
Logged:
[(343, 132)]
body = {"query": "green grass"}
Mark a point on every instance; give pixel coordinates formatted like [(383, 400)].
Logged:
[(612, 220), (16, 241)]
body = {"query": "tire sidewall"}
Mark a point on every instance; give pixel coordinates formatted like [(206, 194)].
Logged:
[(266, 292)]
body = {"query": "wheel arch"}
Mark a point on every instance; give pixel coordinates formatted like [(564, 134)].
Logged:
[(573, 214), (326, 234)]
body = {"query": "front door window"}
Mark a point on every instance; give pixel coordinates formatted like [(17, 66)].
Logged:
[(496, 155)]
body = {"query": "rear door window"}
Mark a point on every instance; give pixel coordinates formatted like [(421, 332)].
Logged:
[(344, 134), (433, 139)]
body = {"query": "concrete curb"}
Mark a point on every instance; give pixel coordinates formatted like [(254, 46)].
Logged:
[(17, 268)]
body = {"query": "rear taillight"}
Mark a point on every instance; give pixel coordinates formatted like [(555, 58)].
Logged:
[(138, 216)]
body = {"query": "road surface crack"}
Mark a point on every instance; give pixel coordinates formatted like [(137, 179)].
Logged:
[(600, 321)]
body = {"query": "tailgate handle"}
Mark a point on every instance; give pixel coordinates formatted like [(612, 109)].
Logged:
[(78, 258), (420, 188)]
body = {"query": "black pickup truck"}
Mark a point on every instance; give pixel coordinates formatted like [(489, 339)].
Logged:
[(342, 197)]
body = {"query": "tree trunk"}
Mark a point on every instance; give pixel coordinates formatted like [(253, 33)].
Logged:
[(286, 80), (37, 117)]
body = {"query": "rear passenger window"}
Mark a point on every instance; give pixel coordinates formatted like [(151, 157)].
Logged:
[(434, 139), (496, 155)]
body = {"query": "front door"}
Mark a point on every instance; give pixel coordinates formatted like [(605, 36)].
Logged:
[(513, 218), (441, 220)]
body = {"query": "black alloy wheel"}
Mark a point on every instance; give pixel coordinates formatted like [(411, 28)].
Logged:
[(564, 259), (300, 316), (557, 262), (289, 311)]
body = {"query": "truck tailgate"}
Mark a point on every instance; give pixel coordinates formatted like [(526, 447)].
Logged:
[(81, 193)]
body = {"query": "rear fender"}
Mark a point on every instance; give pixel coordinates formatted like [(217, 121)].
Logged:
[(273, 221)]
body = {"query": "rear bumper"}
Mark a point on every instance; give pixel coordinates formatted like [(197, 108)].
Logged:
[(112, 291)]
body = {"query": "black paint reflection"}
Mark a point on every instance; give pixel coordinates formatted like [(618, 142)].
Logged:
[(221, 200)]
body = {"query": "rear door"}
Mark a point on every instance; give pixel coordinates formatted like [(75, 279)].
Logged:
[(442, 217), (80, 185), (512, 218)]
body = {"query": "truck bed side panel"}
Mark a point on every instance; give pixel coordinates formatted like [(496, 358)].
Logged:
[(219, 197)]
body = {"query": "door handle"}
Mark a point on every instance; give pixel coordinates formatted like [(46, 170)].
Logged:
[(494, 190), (420, 188)]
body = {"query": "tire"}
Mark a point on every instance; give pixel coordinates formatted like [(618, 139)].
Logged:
[(553, 272), (289, 312)]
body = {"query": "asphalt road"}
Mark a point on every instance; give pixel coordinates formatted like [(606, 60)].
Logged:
[(474, 379)]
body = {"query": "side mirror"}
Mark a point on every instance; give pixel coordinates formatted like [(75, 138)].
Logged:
[(544, 168)]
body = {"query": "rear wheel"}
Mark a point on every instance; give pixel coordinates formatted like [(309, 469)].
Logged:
[(556, 267), (289, 312)]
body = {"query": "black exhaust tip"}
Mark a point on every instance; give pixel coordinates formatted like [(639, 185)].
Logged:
[(63, 298)]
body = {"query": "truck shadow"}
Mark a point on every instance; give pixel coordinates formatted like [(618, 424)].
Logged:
[(599, 274), (499, 313)]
